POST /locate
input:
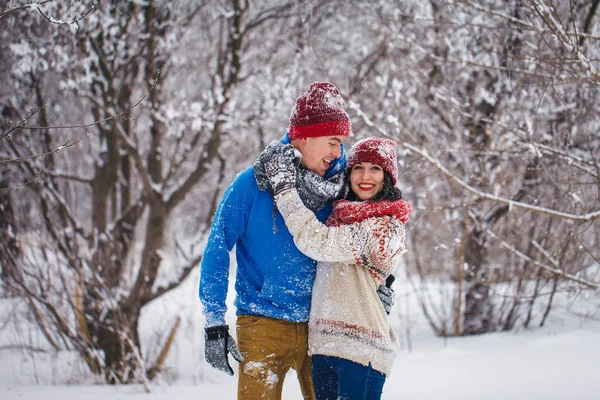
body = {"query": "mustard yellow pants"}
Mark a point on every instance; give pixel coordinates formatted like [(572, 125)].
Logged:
[(270, 348)]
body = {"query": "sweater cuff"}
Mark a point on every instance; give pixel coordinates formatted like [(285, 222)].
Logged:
[(214, 319)]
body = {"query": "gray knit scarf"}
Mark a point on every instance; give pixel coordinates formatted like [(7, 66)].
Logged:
[(314, 190)]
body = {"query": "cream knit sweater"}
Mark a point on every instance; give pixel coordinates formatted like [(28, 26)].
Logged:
[(347, 319)]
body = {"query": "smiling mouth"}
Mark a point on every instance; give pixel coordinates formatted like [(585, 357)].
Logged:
[(366, 186)]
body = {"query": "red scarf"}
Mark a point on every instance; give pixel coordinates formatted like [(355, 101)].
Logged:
[(347, 212)]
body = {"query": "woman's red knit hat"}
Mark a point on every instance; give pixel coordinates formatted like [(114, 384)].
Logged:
[(319, 112), (378, 151)]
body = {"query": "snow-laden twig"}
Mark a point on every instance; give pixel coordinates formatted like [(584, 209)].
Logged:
[(465, 61), (511, 203), (20, 185), (554, 261), (522, 23), (33, 6), (479, 193), (522, 141), (69, 143), (554, 270), (441, 21), (564, 38), (571, 159), (73, 21), (66, 145), (507, 17), (141, 364), (101, 121), (23, 122)]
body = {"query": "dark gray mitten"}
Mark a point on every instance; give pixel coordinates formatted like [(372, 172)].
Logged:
[(280, 168), (386, 294), (218, 344)]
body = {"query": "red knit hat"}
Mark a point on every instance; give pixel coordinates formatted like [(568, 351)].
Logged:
[(378, 151), (319, 112)]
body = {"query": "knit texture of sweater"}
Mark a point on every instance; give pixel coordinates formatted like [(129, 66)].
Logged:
[(347, 319)]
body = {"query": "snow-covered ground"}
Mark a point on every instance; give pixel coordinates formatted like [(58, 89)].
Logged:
[(559, 361)]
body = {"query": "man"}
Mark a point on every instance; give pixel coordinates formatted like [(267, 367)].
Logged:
[(274, 279)]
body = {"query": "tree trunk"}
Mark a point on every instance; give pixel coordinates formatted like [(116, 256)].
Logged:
[(114, 333), (478, 305), (10, 249)]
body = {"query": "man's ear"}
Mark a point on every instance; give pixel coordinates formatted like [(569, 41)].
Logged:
[(299, 143)]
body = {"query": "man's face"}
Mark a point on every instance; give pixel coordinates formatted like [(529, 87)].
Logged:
[(319, 152)]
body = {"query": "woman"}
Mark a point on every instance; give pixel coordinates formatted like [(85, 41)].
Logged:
[(350, 338)]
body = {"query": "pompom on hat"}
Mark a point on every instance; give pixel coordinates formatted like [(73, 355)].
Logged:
[(378, 151), (319, 112)]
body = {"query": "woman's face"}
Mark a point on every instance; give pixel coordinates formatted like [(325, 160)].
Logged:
[(366, 180)]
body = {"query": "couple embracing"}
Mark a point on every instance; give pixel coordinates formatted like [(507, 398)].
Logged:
[(317, 235)]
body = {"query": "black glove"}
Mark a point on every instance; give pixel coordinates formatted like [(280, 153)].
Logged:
[(218, 344), (386, 294), (280, 167)]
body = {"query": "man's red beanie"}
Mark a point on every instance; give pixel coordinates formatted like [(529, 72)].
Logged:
[(378, 151), (319, 112)]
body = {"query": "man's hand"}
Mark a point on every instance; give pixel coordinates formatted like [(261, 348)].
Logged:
[(217, 345), (386, 294), (280, 168)]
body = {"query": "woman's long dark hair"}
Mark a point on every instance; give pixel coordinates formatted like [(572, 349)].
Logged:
[(388, 192)]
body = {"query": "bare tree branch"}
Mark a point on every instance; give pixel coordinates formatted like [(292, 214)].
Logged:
[(184, 273), (23, 122), (61, 22), (70, 177), (448, 174), (41, 155), (567, 41), (35, 179), (33, 6), (554, 270), (109, 118)]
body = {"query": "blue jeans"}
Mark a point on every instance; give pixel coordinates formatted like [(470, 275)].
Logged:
[(337, 378)]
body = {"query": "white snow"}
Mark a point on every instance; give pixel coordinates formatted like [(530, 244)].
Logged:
[(558, 361)]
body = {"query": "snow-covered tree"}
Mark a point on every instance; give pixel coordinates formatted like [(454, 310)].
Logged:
[(496, 103), (122, 123), (160, 97)]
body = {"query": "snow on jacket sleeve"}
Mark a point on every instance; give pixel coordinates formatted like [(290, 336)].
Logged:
[(227, 227), (374, 242)]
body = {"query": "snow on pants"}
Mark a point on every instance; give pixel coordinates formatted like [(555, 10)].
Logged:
[(270, 348), (340, 379)]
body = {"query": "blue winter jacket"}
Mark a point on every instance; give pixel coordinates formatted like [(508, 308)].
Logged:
[(273, 278)]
